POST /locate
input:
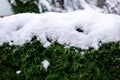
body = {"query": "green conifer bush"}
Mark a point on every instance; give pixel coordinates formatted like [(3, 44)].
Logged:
[(65, 63)]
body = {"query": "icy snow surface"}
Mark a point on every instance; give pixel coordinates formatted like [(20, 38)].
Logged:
[(61, 27)]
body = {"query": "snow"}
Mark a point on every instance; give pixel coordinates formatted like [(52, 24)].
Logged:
[(69, 5), (18, 71), (82, 53), (113, 1), (45, 64), (5, 8), (61, 27), (46, 4)]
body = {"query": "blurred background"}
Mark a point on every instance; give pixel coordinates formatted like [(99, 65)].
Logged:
[(9, 7)]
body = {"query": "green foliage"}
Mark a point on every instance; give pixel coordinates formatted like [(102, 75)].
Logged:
[(65, 63), (28, 6)]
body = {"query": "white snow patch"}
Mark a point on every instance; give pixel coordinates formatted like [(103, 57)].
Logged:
[(5, 8), (47, 44), (18, 72), (45, 3), (61, 27), (82, 53), (45, 64)]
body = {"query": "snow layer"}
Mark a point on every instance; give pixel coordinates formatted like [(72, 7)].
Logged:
[(61, 27)]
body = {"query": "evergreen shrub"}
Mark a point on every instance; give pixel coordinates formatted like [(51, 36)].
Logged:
[(65, 63), (23, 7)]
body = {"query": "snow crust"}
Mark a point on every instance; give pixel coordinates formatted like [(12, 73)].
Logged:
[(61, 27)]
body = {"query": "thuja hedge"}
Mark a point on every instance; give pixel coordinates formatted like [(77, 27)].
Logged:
[(65, 63)]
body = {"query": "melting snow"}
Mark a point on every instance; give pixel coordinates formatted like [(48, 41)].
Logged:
[(61, 27)]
